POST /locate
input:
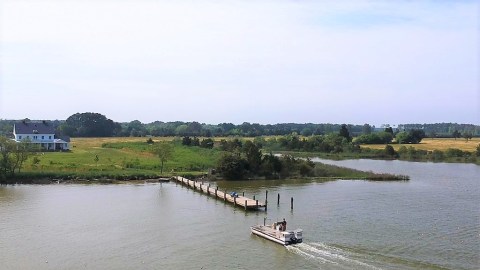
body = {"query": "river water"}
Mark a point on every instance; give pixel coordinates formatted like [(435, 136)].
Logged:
[(429, 222)]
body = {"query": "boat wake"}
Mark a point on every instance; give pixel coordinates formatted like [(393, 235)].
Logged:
[(325, 254)]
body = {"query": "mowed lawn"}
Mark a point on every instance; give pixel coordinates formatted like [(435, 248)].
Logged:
[(435, 144), (128, 159)]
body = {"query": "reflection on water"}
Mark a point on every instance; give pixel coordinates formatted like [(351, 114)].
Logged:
[(429, 222)]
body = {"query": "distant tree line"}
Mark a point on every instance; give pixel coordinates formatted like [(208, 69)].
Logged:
[(97, 125)]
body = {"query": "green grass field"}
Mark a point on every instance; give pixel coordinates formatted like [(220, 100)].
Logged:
[(131, 158), (122, 157)]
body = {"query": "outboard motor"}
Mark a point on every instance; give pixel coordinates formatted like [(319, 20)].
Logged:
[(298, 236)]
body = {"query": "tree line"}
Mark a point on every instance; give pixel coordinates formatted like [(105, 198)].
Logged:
[(97, 125)]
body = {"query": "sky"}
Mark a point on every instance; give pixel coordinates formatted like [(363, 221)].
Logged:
[(267, 62)]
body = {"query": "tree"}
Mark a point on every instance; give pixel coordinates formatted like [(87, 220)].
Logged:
[(253, 156), (13, 155), (456, 134), (271, 166), (21, 152), (232, 166), (366, 129), (164, 151), (389, 130), (467, 136), (345, 133), (412, 136), (89, 125), (402, 137)]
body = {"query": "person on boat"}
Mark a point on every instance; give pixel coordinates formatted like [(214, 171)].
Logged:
[(284, 225)]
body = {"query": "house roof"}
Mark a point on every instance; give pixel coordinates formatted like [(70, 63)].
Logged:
[(33, 128)]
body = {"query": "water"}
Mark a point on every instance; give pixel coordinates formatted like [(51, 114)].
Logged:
[(429, 222)]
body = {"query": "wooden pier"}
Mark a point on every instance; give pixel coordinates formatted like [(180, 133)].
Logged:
[(241, 201)]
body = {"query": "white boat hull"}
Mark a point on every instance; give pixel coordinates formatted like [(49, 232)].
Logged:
[(281, 237)]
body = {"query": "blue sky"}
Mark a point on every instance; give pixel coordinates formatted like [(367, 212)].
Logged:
[(357, 62)]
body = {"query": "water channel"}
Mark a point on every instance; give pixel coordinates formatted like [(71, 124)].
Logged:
[(429, 222)]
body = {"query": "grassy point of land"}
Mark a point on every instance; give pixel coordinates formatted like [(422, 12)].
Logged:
[(132, 159)]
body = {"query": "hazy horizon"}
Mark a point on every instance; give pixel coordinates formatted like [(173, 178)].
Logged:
[(354, 62)]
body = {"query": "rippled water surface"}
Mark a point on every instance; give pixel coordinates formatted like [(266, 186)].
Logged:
[(429, 222)]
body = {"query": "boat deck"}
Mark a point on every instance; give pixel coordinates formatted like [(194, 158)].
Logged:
[(266, 230)]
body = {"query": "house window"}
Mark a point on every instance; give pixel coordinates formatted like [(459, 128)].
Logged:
[(43, 137), (35, 137), (49, 137), (20, 137)]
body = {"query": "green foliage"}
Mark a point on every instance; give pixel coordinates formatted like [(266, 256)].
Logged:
[(232, 166), (345, 133), (453, 152), (253, 156), (437, 155), (271, 166), (389, 130), (375, 138), (456, 134), (467, 136), (477, 152), (207, 143), (412, 136), (324, 170), (389, 150), (164, 151), (89, 125), (13, 155), (231, 145)]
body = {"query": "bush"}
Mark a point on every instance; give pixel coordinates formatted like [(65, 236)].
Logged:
[(232, 166), (454, 152), (389, 150), (375, 138)]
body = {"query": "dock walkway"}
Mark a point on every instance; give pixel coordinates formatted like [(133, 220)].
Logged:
[(246, 203)]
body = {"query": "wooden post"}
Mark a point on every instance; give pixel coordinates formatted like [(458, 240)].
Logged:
[(216, 189), (265, 205), (225, 195), (254, 197), (291, 203), (245, 205), (278, 199), (234, 201), (208, 189), (256, 204), (243, 194), (266, 195)]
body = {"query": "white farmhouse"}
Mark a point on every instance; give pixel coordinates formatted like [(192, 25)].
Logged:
[(40, 133)]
